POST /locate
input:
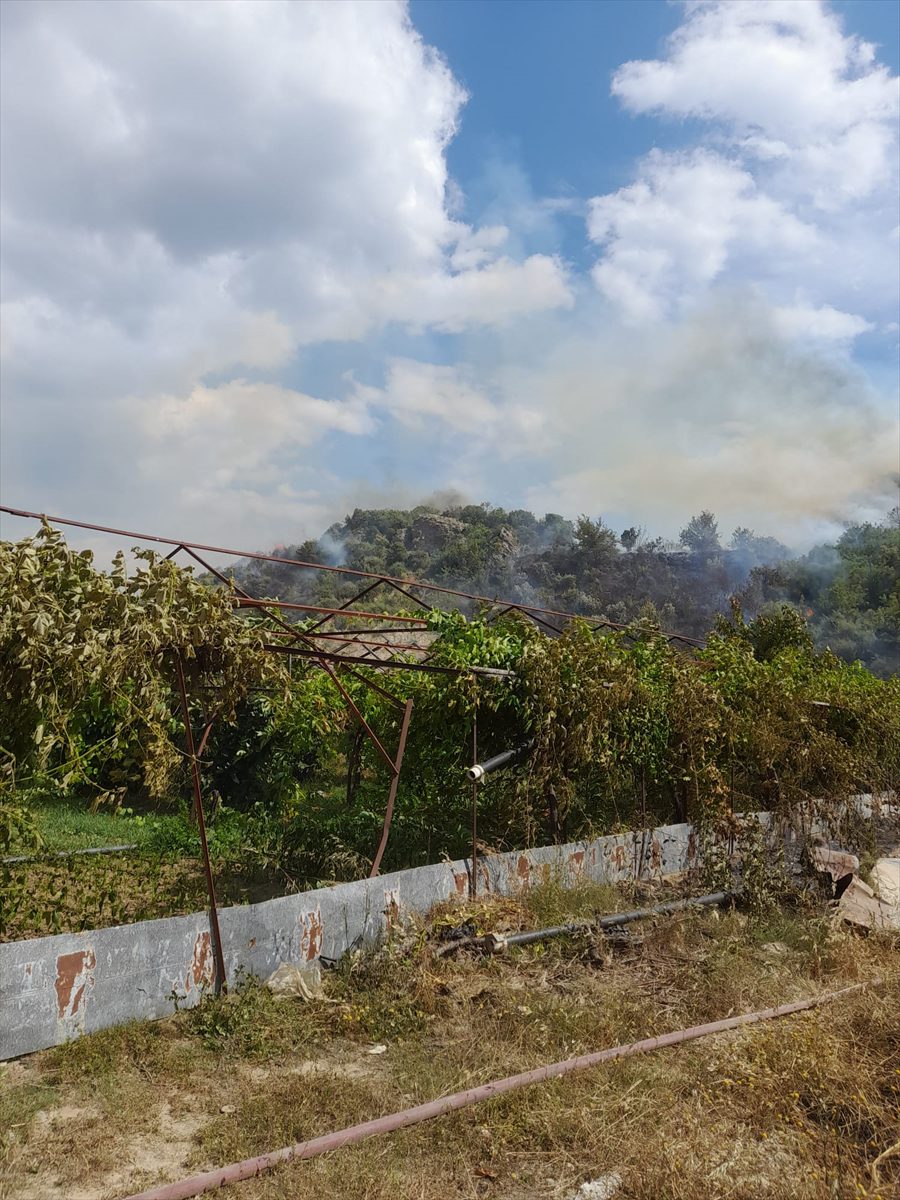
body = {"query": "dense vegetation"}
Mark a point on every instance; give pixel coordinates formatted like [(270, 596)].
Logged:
[(626, 729), (848, 592)]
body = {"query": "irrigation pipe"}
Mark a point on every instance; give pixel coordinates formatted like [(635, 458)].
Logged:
[(24, 858), (183, 1189), (495, 943), (614, 919)]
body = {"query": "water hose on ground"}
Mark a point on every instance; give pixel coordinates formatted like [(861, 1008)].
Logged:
[(184, 1189)]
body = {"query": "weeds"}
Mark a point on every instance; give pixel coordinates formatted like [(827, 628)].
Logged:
[(253, 1024)]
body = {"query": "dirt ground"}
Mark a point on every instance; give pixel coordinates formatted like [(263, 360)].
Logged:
[(805, 1107)]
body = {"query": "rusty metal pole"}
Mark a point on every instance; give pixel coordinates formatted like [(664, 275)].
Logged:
[(644, 831), (473, 886), (392, 794), (221, 983)]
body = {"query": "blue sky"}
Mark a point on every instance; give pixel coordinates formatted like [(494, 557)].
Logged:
[(263, 262), (547, 111)]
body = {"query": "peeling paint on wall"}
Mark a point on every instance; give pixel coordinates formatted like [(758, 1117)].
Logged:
[(391, 909), (655, 855), (74, 982), (311, 935), (523, 871), (201, 971)]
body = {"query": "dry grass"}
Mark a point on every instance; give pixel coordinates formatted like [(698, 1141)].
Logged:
[(795, 1108)]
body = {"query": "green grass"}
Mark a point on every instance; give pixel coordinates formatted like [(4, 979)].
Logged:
[(67, 824)]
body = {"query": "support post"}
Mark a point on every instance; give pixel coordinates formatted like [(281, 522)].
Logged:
[(392, 793), (473, 886), (221, 983), (639, 869)]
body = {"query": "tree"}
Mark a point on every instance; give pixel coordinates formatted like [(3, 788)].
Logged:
[(701, 534), (87, 662), (594, 538), (756, 549), (629, 537)]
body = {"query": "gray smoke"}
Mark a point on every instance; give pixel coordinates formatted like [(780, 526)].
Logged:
[(716, 411)]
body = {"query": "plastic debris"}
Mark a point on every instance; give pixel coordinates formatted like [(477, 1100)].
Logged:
[(301, 983), (886, 879), (836, 863), (603, 1188)]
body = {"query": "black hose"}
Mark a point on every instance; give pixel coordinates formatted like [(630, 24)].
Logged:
[(614, 919), (507, 758)]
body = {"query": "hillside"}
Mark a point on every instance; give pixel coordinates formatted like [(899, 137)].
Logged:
[(848, 591)]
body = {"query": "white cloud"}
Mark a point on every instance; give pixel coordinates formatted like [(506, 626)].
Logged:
[(287, 157), (417, 393), (824, 324), (461, 399), (225, 422), (232, 451), (194, 189), (478, 246), (783, 79), (793, 184), (491, 295), (690, 216), (242, 158)]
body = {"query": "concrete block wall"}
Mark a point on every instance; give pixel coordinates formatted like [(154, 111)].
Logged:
[(56, 988)]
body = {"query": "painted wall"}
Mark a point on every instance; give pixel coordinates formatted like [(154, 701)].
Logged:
[(55, 988)]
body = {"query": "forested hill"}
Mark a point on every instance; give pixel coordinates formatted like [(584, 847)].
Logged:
[(848, 591)]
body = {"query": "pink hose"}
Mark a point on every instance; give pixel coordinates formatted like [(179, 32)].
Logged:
[(195, 1184)]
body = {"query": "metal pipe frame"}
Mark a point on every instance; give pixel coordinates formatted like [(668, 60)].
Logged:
[(392, 792), (304, 635), (305, 642), (380, 664)]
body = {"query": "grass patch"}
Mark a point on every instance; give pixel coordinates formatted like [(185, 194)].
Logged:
[(66, 824), (58, 895), (162, 877), (144, 1046), (20, 1101)]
